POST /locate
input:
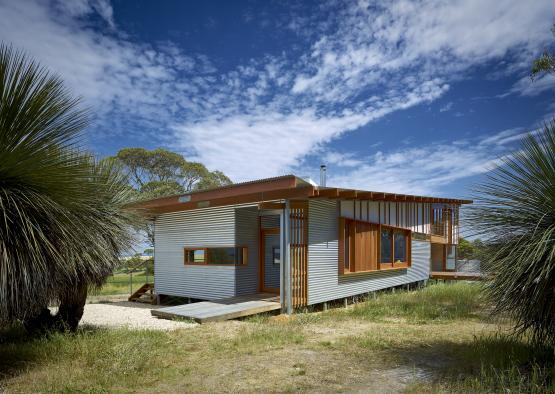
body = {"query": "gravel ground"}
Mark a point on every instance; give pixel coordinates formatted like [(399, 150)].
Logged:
[(128, 314)]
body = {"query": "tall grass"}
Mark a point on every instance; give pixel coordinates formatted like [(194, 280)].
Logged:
[(440, 302), (497, 364)]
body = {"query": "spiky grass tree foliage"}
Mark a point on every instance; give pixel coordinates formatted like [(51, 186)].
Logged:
[(61, 223), (515, 208)]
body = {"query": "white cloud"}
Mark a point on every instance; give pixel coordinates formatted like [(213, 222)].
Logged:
[(528, 87), (368, 62), (504, 137), (119, 79), (341, 159), (265, 142), (426, 170), (267, 115), (376, 43), (446, 107), (81, 8)]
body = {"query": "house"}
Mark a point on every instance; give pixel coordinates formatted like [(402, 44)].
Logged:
[(310, 244)]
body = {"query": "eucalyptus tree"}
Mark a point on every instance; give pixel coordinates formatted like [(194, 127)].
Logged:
[(62, 226), (161, 173), (545, 64), (515, 211)]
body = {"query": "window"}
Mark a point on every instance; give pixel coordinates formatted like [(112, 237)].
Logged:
[(400, 247), (450, 257), (232, 255), (394, 251), (194, 256), (386, 246), (367, 247)]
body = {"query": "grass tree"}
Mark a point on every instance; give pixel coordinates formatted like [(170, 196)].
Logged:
[(515, 210), (61, 223)]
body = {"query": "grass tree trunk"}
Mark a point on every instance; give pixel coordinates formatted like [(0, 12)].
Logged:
[(70, 311), (72, 306), (63, 216)]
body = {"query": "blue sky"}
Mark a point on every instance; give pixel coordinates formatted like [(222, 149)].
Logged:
[(417, 97)]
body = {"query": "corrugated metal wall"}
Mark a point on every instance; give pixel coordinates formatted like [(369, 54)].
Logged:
[(269, 221), (207, 227), (271, 270), (324, 282), (246, 234)]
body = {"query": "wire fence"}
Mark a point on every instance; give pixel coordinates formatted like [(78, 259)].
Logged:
[(129, 277)]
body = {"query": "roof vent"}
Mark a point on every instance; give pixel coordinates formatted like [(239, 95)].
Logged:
[(323, 169)]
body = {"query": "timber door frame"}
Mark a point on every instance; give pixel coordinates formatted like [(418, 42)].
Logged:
[(262, 259)]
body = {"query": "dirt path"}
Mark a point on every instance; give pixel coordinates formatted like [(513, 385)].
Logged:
[(128, 314)]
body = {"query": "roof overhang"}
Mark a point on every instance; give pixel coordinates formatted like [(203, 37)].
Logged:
[(353, 194), (273, 189)]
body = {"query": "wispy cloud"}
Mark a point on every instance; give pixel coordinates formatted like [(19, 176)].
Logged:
[(426, 169), (526, 87), (362, 61), (446, 107), (123, 81)]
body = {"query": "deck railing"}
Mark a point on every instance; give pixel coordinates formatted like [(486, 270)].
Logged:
[(445, 223)]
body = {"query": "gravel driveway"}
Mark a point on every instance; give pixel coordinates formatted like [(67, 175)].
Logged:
[(128, 314)]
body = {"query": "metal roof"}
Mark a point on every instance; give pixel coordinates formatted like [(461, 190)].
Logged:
[(272, 189)]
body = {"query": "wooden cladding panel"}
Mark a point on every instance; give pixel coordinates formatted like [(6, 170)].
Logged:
[(362, 247), (298, 221)]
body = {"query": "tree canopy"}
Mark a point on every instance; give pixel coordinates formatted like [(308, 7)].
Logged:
[(160, 172), (545, 63), (468, 250)]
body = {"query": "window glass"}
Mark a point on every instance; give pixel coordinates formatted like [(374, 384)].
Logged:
[(224, 256), (450, 262), (194, 255), (385, 250), (400, 247)]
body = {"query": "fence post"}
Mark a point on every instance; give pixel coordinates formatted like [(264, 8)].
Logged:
[(130, 279), (146, 271)]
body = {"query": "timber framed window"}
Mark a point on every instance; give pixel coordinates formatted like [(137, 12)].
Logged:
[(394, 247), (369, 247), (225, 255)]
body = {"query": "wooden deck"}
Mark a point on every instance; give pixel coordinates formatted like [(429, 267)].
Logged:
[(456, 275), (225, 309)]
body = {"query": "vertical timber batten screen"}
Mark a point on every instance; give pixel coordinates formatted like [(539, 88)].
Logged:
[(299, 252)]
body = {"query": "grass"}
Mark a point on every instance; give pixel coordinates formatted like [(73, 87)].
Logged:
[(392, 342), (441, 302)]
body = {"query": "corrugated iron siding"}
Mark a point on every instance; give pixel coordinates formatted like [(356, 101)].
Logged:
[(271, 270), (269, 221), (246, 234), (207, 227), (324, 283)]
